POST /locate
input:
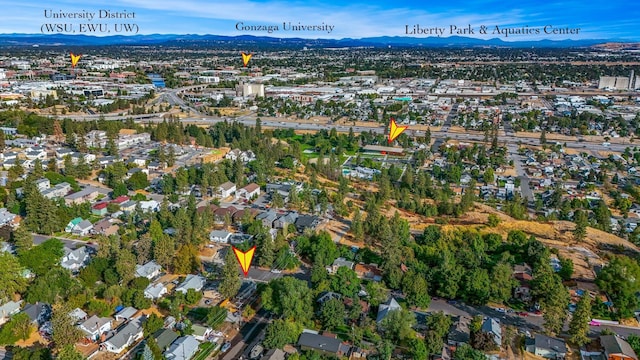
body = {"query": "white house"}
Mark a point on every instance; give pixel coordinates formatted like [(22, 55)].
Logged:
[(219, 236), (155, 291), (195, 282), (83, 228), (182, 349), (150, 205), (125, 336), (148, 270), (74, 260), (95, 326), (227, 189), (249, 192), (126, 314)]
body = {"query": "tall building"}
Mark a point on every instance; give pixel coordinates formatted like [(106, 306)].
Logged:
[(614, 82), (252, 89)]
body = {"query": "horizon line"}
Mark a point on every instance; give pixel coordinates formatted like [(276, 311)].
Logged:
[(610, 40)]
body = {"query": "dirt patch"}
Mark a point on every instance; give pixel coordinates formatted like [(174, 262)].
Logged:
[(33, 339), (554, 234)]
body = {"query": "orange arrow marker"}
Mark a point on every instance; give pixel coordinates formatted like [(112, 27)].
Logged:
[(244, 258), (395, 130), (246, 58), (74, 59)]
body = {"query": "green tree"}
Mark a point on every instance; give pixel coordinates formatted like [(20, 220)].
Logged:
[(415, 288), (22, 239), (634, 341), (439, 323), (579, 325), (345, 282), (289, 297), (566, 268), (493, 221), (280, 333), (466, 352), (11, 279), (398, 324), (69, 352), (580, 218), (230, 282), (332, 313), (502, 282), (555, 306), (418, 350), (64, 331), (152, 324), (42, 258), (621, 280), (357, 226), (21, 325)]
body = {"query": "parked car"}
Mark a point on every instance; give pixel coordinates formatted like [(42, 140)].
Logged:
[(225, 346), (594, 323), (501, 310), (523, 313)]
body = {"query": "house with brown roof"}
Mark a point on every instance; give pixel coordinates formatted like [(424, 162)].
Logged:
[(368, 272), (248, 192)]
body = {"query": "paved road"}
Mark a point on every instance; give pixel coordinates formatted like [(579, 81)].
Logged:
[(525, 189), (247, 336), (70, 243), (250, 120), (531, 322)]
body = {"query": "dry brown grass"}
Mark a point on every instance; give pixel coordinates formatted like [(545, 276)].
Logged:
[(555, 234)]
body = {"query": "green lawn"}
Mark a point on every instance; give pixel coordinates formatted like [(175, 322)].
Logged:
[(205, 349)]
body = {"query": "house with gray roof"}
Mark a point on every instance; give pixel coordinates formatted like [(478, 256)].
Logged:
[(39, 312), (492, 327), (459, 333), (78, 314), (386, 308), (126, 314), (155, 291), (95, 326), (617, 348), (74, 260), (340, 262), (219, 236), (149, 270), (195, 282), (83, 228), (267, 218), (8, 310), (6, 218), (285, 220), (125, 337), (164, 338), (323, 344), (184, 348), (547, 347)]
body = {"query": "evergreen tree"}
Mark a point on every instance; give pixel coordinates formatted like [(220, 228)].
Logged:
[(22, 239), (580, 231), (357, 226), (65, 333), (579, 325), (231, 282)]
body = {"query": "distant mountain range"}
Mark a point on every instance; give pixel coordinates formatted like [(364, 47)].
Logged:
[(205, 40)]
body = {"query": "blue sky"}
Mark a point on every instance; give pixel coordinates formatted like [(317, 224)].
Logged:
[(612, 19)]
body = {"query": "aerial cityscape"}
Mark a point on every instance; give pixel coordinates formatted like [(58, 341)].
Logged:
[(455, 187)]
